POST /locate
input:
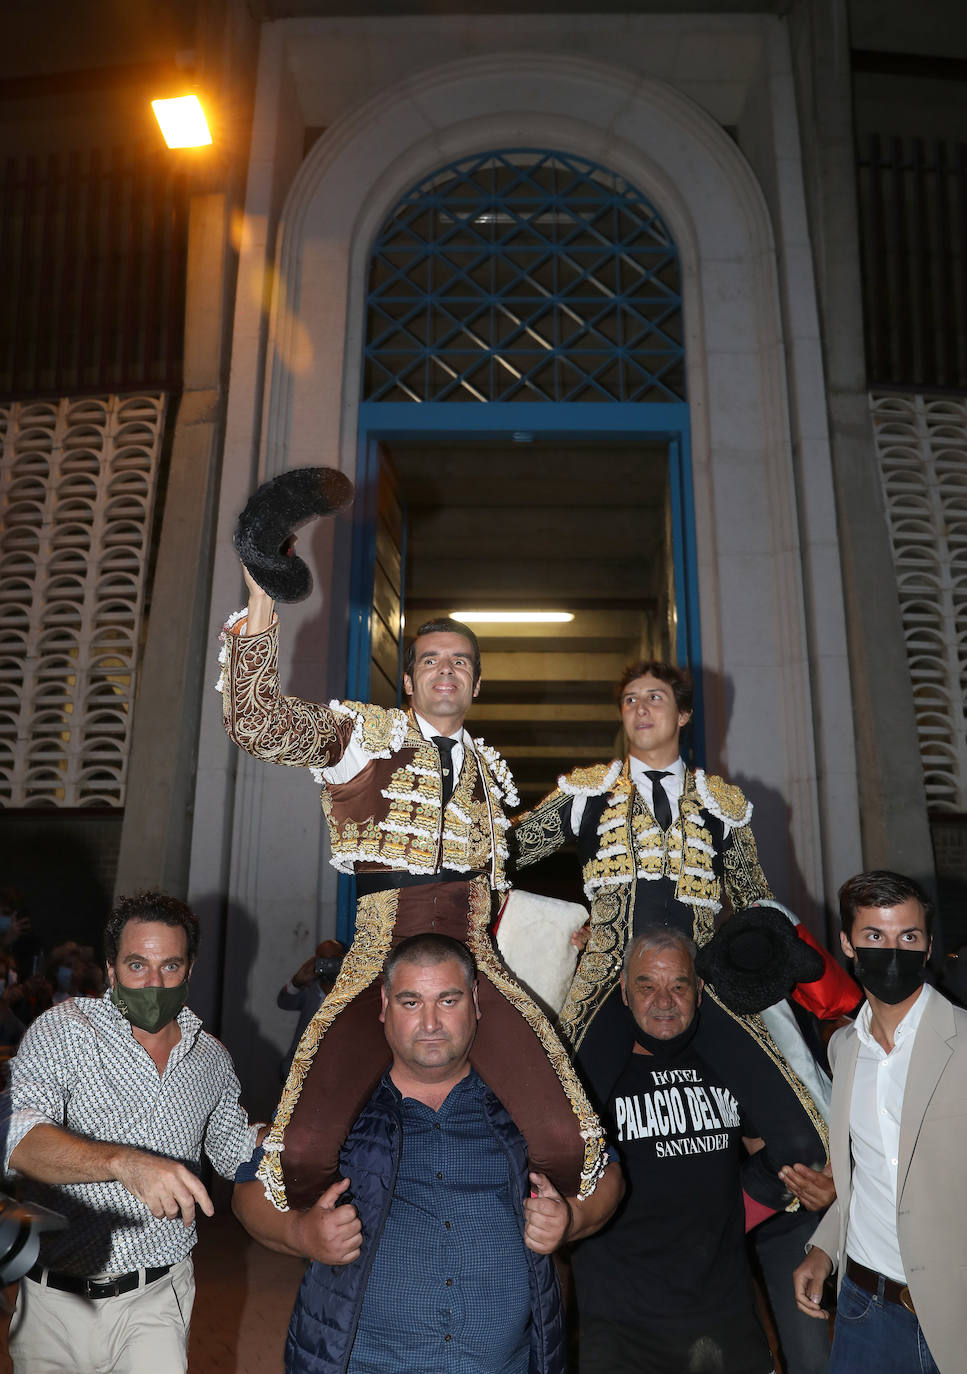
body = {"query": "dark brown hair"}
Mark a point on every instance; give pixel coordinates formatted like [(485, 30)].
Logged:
[(880, 887), (678, 679), (443, 626)]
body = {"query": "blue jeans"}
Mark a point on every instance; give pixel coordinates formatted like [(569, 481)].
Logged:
[(873, 1336)]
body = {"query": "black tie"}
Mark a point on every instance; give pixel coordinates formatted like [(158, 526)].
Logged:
[(660, 805), (445, 745)]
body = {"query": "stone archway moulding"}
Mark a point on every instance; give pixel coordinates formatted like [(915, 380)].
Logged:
[(701, 184), (658, 138)]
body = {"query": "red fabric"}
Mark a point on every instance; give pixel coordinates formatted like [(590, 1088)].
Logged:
[(500, 915), (755, 1211), (835, 994)]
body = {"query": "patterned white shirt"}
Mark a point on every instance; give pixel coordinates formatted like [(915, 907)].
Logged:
[(80, 1067)]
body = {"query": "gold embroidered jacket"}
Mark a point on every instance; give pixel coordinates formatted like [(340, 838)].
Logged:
[(708, 845), (388, 816)]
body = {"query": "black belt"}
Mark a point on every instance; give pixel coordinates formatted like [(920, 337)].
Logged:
[(869, 1280), (95, 1288), (383, 882)]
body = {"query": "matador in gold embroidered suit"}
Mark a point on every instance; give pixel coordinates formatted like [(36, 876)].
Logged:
[(424, 861), (662, 844)]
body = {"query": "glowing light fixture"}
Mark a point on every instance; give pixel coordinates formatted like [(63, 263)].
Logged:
[(183, 123), (513, 617)]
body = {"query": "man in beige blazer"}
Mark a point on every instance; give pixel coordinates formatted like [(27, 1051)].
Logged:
[(897, 1232)]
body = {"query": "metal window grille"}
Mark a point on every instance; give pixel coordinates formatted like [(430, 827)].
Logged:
[(77, 489), (921, 443), (524, 276), (913, 242)]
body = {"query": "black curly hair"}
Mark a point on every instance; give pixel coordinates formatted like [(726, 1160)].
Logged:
[(149, 906)]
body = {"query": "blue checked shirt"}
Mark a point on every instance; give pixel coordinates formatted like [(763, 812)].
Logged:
[(448, 1292)]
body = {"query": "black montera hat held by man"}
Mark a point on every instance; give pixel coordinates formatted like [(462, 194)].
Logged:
[(264, 534), (755, 959)]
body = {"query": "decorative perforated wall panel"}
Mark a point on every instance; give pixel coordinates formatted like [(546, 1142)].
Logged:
[(524, 276), (77, 487), (921, 443)]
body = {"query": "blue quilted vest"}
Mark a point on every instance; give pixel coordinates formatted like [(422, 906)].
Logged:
[(326, 1312)]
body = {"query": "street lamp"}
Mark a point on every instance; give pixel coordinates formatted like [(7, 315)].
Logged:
[(183, 123)]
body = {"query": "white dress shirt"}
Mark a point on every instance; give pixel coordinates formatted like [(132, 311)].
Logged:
[(429, 733), (874, 1130), (673, 783)]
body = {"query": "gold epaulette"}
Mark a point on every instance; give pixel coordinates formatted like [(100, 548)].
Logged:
[(723, 799), (590, 782), (378, 731)]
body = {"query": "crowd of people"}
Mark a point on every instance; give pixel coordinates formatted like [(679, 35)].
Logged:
[(439, 1139), (35, 977)]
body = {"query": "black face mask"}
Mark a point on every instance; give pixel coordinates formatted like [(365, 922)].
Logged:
[(890, 975), (671, 1047)]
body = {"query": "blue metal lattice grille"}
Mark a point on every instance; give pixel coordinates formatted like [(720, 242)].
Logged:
[(524, 276)]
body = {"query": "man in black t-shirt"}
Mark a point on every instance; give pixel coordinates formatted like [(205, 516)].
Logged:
[(665, 1288)]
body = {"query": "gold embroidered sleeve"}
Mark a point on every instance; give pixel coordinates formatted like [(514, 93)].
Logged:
[(745, 881), (268, 725), (540, 832)]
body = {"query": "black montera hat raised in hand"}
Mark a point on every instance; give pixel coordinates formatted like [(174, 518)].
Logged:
[(755, 959), (264, 535)]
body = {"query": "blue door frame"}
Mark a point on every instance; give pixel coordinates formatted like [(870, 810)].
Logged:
[(612, 422)]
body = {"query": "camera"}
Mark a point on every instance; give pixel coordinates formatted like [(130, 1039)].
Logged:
[(327, 969), (21, 1226)]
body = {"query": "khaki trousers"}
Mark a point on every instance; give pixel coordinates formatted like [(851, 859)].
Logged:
[(141, 1332)]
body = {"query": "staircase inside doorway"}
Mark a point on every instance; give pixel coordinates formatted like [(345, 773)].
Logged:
[(581, 528)]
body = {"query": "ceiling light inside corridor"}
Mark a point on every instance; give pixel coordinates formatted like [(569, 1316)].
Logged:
[(513, 617)]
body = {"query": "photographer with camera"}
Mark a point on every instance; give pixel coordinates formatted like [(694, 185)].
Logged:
[(307, 989)]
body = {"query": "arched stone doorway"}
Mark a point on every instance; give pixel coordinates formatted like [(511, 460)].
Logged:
[(523, 459)]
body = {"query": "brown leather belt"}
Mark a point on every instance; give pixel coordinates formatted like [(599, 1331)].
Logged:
[(869, 1280)]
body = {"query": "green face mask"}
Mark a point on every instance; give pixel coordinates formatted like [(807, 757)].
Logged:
[(150, 1009)]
